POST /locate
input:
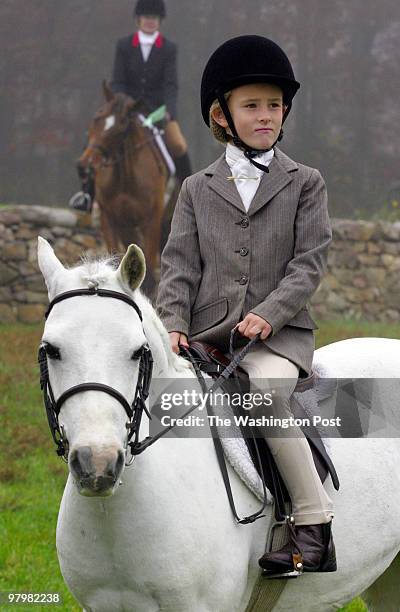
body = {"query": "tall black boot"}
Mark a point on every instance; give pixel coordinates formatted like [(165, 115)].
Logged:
[(310, 549), (183, 167)]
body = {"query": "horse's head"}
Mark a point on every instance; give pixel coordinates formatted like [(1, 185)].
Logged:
[(93, 341), (107, 130)]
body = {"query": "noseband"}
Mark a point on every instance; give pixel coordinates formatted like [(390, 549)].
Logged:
[(134, 411)]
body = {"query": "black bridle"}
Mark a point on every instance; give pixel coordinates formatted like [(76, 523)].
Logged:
[(134, 411)]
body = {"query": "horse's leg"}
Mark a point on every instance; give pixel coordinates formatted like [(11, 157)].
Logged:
[(130, 233), (152, 235), (384, 594), (107, 230), (167, 216), (151, 241)]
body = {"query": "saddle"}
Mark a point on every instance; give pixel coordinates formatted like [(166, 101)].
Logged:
[(211, 361)]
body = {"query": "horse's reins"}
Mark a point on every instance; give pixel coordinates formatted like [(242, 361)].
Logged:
[(215, 436), (135, 410)]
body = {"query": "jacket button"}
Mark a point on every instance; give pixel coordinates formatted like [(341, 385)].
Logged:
[(244, 251), (243, 280), (244, 222)]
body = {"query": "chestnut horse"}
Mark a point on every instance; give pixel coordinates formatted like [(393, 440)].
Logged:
[(130, 178)]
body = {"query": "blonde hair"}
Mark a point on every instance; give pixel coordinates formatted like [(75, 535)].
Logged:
[(217, 130)]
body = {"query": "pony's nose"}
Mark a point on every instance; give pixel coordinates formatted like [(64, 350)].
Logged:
[(96, 472)]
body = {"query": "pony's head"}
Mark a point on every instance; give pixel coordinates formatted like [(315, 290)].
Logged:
[(108, 129), (95, 339)]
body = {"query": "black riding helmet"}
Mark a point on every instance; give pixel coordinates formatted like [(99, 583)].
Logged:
[(150, 7), (241, 61)]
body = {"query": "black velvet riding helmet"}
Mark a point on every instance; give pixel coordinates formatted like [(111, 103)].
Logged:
[(241, 61), (150, 7)]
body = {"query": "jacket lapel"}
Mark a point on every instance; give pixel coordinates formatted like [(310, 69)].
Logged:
[(153, 52), (219, 172), (280, 174), (137, 56), (155, 49)]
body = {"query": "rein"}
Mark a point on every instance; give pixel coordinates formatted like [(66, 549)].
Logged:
[(217, 441), (135, 410)]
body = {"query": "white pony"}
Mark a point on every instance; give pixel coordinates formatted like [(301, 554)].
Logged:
[(166, 538)]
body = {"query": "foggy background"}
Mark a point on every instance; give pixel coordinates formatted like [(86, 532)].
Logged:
[(345, 119)]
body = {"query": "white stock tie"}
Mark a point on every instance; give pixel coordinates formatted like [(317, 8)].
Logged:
[(246, 176)]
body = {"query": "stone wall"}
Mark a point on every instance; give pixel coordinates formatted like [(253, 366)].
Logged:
[(23, 294), (362, 280), (363, 277)]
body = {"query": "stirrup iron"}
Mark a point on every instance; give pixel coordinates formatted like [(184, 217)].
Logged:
[(81, 201), (297, 557)]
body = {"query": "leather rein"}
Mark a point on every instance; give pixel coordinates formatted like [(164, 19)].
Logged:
[(135, 410)]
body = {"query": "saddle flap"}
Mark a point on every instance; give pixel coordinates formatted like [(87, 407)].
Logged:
[(212, 361), (318, 449)]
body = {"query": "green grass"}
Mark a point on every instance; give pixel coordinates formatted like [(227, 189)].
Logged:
[(333, 331), (32, 478)]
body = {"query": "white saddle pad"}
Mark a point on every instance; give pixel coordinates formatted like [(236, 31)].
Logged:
[(235, 448), (161, 145)]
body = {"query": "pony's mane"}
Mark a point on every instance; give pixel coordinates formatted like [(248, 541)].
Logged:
[(174, 361), (100, 271), (97, 269)]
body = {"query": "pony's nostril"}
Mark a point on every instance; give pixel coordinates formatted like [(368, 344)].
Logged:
[(115, 466), (120, 461), (81, 462)]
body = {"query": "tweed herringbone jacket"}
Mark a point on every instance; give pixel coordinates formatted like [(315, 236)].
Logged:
[(221, 262)]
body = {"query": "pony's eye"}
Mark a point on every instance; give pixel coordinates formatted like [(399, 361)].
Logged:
[(137, 354), (53, 352)]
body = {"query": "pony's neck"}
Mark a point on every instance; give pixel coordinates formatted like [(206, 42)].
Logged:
[(138, 154), (166, 363)]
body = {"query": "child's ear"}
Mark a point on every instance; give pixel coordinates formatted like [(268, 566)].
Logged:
[(219, 117)]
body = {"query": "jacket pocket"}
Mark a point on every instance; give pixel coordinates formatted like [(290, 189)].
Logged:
[(208, 316), (303, 319)]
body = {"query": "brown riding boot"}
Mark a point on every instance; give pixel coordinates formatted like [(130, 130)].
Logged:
[(310, 549)]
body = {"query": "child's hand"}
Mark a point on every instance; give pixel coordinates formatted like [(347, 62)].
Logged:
[(252, 325), (177, 338)]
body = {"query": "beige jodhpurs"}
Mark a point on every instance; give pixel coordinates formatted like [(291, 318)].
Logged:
[(290, 449), (174, 139)]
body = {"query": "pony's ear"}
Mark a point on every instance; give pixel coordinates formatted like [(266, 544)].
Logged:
[(108, 92), (49, 263), (132, 269), (128, 105)]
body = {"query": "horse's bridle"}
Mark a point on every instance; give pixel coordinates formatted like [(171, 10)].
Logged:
[(134, 411), (107, 158)]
